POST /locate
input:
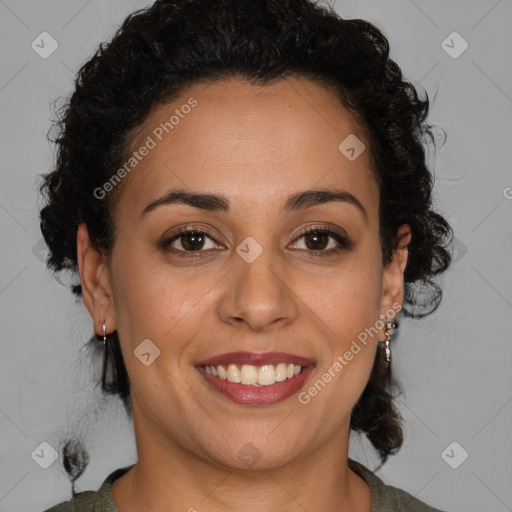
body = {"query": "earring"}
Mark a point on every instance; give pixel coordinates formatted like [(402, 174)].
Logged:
[(390, 324), (104, 365)]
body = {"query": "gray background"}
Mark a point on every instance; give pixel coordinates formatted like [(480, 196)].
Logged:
[(454, 365)]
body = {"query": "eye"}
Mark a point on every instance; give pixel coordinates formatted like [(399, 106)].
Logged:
[(322, 241), (191, 240)]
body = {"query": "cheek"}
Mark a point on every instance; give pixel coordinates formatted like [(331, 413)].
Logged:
[(157, 302), (348, 297), (146, 301), (347, 305)]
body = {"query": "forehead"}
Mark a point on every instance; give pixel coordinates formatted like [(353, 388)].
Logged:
[(250, 143)]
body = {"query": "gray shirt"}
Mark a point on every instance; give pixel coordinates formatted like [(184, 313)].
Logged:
[(385, 498)]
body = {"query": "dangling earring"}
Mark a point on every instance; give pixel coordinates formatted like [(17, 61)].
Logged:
[(390, 324), (104, 365)]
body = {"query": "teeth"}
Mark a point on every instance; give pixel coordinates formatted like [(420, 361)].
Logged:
[(267, 375), (233, 373), (223, 374), (280, 372), (250, 375)]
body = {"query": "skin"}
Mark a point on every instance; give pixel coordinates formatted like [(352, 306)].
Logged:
[(255, 145)]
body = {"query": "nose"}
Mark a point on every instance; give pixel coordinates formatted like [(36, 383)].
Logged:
[(258, 294)]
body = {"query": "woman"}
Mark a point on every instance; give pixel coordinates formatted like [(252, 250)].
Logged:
[(241, 187)]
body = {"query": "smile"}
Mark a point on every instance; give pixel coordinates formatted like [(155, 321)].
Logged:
[(250, 375), (256, 379)]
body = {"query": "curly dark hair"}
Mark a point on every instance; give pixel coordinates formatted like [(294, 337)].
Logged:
[(159, 51)]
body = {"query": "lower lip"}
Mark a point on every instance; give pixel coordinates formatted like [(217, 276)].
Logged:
[(258, 395)]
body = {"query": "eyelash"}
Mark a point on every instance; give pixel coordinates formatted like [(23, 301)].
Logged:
[(343, 242)]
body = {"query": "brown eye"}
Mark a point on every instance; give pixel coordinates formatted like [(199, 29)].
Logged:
[(192, 241), (322, 242), (316, 240), (188, 240)]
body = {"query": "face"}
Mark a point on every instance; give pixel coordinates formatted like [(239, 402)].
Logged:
[(245, 290)]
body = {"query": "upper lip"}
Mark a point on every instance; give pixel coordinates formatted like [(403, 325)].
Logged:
[(256, 359)]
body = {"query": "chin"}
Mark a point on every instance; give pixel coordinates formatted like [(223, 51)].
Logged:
[(252, 456)]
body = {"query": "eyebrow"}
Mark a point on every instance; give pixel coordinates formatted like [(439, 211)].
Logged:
[(219, 203)]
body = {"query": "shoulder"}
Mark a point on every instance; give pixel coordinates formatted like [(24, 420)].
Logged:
[(386, 498), (400, 500), (87, 501), (93, 501)]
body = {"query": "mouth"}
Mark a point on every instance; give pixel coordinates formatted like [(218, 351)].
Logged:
[(256, 379), (249, 375)]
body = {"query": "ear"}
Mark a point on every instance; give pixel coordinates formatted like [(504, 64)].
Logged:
[(95, 280), (393, 275)]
